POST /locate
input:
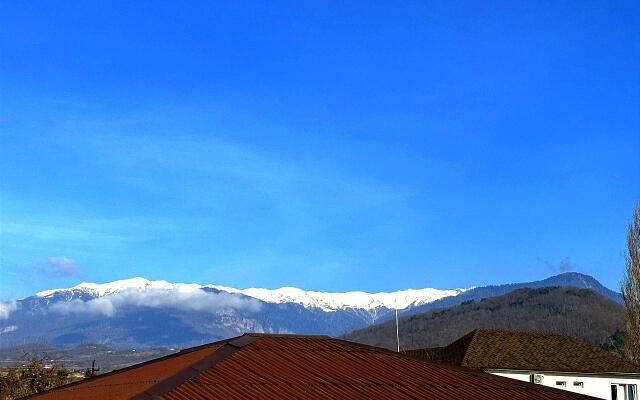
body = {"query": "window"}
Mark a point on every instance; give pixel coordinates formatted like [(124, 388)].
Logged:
[(620, 391), (561, 383)]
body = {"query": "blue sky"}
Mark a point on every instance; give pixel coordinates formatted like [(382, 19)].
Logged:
[(323, 145)]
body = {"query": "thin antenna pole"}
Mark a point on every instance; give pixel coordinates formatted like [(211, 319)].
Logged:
[(397, 330)]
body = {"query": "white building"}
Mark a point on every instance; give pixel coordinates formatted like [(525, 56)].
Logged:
[(548, 359)]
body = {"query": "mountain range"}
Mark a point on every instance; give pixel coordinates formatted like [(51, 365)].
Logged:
[(141, 313)]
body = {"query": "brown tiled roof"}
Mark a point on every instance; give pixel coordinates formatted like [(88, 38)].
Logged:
[(525, 350), (276, 367)]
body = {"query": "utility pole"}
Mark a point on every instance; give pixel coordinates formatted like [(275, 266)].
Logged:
[(93, 371), (397, 329)]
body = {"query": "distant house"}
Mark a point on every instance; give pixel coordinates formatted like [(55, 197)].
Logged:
[(278, 367), (547, 359)]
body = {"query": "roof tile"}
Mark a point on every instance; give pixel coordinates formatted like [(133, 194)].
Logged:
[(525, 350)]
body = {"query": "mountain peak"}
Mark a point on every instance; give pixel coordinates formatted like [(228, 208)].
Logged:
[(576, 279), (103, 289)]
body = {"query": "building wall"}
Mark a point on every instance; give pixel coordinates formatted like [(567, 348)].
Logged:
[(593, 385)]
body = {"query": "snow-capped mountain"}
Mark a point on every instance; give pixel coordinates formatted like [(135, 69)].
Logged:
[(105, 289), (139, 312), (326, 301)]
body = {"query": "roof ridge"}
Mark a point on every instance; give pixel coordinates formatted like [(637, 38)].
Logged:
[(364, 346), (285, 335), (168, 384)]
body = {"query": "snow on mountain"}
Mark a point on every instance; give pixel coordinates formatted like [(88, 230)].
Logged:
[(105, 289), (138, 312), (326, 301)]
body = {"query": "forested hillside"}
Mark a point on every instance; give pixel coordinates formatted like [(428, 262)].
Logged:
[(581, 313)]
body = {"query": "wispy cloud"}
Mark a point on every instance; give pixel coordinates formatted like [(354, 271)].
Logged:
[(203, 194), (59, 267), (85, 233), (180, 299), (68, 233), (223, 165)]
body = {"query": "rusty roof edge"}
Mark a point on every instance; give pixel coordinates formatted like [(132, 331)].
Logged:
[(130, 367), (195, 369)]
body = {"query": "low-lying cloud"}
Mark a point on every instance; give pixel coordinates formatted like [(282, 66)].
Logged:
[(7, 307), (103, 306), (188, 299)]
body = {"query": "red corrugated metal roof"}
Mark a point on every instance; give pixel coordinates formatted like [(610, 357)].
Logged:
[(255, 366)]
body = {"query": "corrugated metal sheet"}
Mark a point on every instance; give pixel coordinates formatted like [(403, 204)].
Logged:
[(302, 367), (313, 368)]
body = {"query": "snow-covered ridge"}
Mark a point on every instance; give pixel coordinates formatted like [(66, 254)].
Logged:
[(327, 301), (105, 289)]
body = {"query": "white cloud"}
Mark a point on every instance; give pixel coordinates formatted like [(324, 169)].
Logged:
[(60, 267), (186, 299), (8, 329), (7, 307)]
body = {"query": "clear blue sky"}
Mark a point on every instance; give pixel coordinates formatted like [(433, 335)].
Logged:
[(330, 146)]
